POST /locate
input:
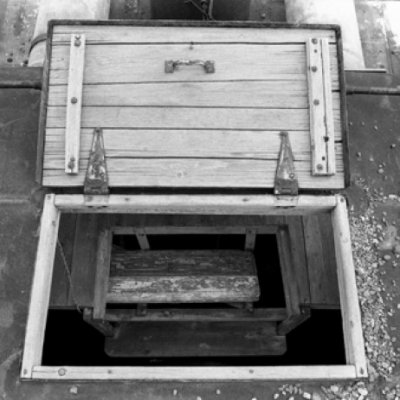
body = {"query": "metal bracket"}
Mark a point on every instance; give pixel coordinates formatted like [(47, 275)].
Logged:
[(96, 180), (285, 179)]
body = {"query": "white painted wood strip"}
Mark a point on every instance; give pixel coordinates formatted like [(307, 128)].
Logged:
[(74, 102), (196, 204), (351, 315), (265, 94), (201, 173), (143, 34), (40, 293), (317, 107), (145, 63), (185, 118), (329, 106), (281, 373), (187, 144)]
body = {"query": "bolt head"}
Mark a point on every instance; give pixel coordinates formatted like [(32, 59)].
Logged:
[(316, 102), (77, 42), (314, 40), (314, 68), (320, 167), (74, 100), (62, 371)]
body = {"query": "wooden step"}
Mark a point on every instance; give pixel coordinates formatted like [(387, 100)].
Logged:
[(195, 339), (184, 276)]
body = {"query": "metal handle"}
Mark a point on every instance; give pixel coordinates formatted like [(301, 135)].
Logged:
[(171, 65)]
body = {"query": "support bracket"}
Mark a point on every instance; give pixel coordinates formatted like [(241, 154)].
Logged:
[(96, 180), (286, 179)]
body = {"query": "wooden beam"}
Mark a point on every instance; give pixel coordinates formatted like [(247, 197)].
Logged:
[(179, 314), (40, 293), (103, 263), (74, 103), (351, 315), (196, 204), (104, 327), (199, 374)]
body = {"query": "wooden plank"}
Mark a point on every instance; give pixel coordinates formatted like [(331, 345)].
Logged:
[(199, 374), (265, 94), (223, 173), (196, 276), (351, 315), (85, 258), (195, 339), (197, 230), (41, 286), (181, 314), (328, 104), (145, 63), (132, 143), (74, 103), (257, 205), (321, 118), (104, 327), (103, 261), (153, 34), (182, 263), (321, 261), (184, 118)]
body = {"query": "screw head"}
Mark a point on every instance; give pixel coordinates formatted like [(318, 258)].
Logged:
[(320, 167), (316, 102), (77, 42), (74, 100), (314, 68), (314, 41), (62, 371)]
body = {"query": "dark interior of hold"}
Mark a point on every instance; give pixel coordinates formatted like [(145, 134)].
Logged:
[(71, 341)]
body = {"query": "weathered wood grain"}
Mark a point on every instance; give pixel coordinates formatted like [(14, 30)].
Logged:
[(182, 263), (140, 143), (321, 261), (263, 94), (189, 118), (202, 339), (195, 314), (145, 34), (145, 63), (74, 103), (195, 173), (166, 276)]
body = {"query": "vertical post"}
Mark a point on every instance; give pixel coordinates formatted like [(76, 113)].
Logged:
[(351, 315), (41, 286)]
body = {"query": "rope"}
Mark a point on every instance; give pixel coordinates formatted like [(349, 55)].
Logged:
[(205, 14), (68, 272)]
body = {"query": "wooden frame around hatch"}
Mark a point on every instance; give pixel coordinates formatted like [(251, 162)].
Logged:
[(32, 368)]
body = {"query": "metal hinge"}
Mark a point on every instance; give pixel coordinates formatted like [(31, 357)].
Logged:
[(286, 179), (96, 180)]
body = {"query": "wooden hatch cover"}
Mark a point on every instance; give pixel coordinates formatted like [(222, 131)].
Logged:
[(199, 105)]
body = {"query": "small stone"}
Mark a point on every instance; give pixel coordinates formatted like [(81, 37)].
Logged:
[(276, 395), (334, 389), (175, 392), (218, 392), (307, 395), (363, 391), (387, 257), (381, 171), (393, 146), (371, 159), (73, 390), (358, 154)]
